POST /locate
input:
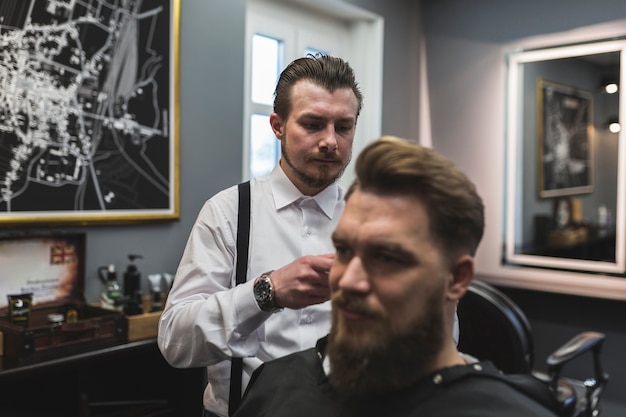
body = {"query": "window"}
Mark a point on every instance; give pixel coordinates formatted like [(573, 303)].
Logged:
[(267, 62), (279, 32)]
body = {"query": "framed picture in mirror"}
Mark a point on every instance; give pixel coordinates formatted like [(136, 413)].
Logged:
[(565, 128)]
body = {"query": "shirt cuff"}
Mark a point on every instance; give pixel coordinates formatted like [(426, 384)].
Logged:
[(250, 317)]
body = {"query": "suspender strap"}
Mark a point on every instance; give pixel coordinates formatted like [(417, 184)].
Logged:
[(243, 239), (243, 231)]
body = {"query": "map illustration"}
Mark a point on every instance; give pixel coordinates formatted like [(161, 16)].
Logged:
[(86, 130)]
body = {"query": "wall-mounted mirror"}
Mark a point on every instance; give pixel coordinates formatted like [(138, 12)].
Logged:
[(566, 159)]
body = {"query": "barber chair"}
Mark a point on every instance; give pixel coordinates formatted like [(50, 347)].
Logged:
[(493, 327)]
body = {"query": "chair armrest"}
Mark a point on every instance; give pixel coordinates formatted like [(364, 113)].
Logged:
[(579, 344), (575, 347)]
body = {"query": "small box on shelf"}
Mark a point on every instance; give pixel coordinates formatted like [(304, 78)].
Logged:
[(49, 269), (143, 326)]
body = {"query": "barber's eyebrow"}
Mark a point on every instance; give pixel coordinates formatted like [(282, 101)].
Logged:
[(315, 116)]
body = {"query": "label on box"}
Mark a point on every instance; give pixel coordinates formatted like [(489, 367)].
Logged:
[(49, 267)]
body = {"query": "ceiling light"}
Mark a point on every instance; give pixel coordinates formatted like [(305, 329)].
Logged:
[(611, 88)]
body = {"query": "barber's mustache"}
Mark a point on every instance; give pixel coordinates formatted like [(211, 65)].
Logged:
[(358, 305), (327, 156)]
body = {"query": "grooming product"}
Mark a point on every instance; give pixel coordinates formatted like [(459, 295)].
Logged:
[(70, 312), (133, 307), (132, 288), (169, 280), (132, 278), (155, 291), (20, 307), (146, 303), (111, 297), (56, 319)]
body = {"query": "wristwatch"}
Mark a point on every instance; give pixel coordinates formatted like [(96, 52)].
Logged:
[(264, 293)]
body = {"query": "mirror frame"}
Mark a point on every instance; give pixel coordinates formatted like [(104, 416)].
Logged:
[(515, 61)]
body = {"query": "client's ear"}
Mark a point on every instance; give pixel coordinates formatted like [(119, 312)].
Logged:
[(462, 274)]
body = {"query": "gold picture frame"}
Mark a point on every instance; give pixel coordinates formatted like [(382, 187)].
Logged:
[(91, 130)]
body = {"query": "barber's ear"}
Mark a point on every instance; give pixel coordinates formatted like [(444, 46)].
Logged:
[(462, 274)]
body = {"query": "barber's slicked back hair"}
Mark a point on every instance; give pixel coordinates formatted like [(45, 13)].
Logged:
[(395, 166), (332, 73)]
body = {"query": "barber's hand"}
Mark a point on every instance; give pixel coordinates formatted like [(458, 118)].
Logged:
[(303, 282)]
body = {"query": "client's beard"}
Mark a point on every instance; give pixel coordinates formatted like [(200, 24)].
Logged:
[(358, 370)]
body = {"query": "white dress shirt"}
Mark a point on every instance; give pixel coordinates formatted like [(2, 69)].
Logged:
[(207, 319)]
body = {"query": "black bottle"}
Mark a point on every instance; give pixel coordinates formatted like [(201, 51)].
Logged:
[(132, 279)]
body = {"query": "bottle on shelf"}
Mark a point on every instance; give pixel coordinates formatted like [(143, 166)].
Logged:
[(112, 297), (132, 287)]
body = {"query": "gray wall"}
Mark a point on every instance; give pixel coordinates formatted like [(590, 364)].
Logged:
[(400, 104), (465, 42)]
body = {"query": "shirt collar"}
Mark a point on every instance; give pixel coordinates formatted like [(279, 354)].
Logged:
[(286, 193)]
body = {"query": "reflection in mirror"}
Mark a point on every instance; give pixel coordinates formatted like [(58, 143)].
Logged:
[(565, 168)]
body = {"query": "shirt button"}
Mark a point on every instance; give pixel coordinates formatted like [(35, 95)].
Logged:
[(437, 379), (308, 319)]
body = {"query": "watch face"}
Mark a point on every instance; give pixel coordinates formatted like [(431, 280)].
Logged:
[(262, 291), (263, 294)]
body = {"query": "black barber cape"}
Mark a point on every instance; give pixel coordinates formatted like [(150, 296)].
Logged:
[(296, 386)]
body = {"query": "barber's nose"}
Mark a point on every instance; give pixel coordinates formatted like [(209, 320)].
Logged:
[(328, 141)]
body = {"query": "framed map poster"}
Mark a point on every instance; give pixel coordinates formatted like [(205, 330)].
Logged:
[(88, 111)]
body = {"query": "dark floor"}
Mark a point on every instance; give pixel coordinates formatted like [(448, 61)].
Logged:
[(610, 409)]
